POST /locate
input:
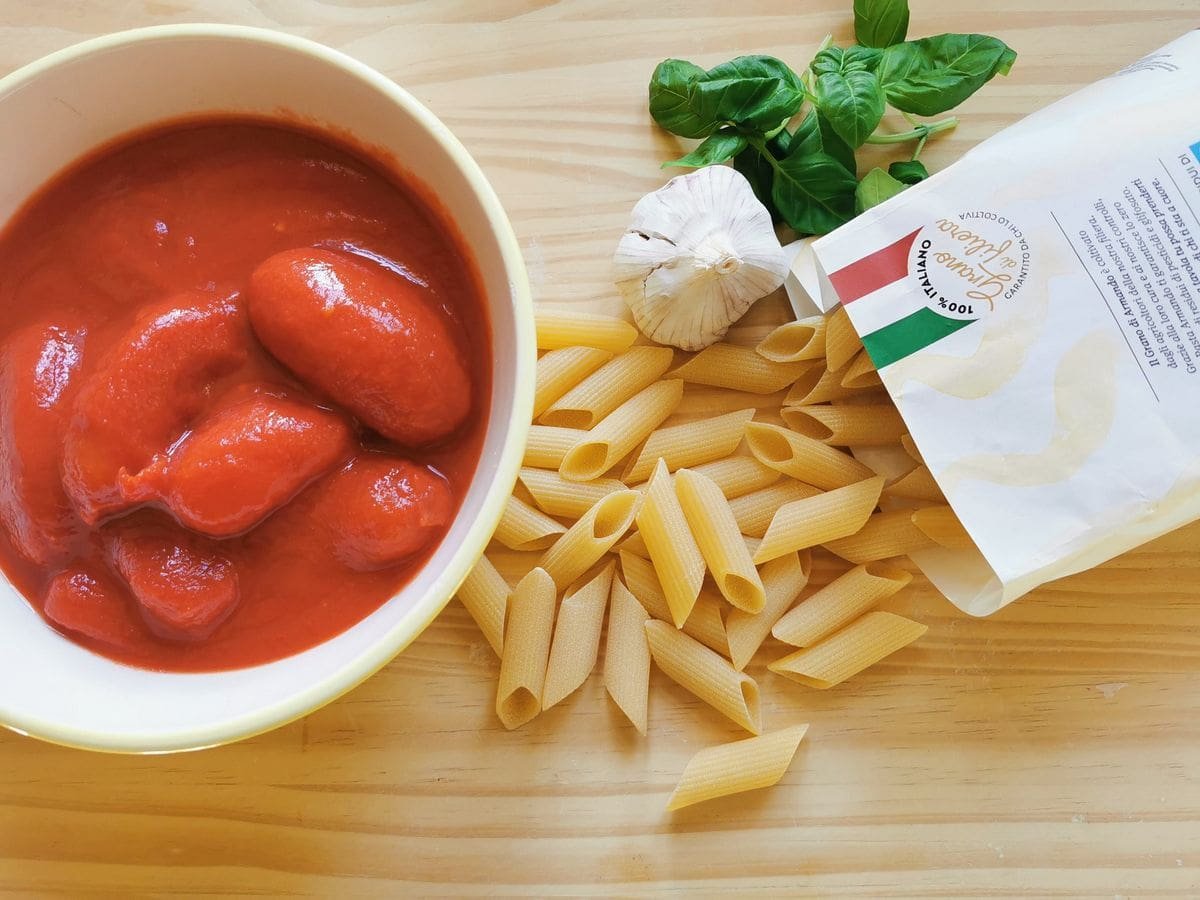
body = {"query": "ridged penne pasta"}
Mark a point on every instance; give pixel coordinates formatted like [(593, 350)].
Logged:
[(591, 537), (739, 369), (526, 649), (841, 340), (861, 373), (635, 544), (941, 525), (560, 370), (910, 447), (524, 528), (916, 485), (484, 593), (709, 676), (627, 655), (839, 603), (608, 387), (847, 426), (738, 475), (884, 535), (690, 444), (669, 541), (712, 524), (546, 446), (558, 328), (816, 385), (877, 396), (618, 433), (802, 457), (795, 341), (753, 512), (706, 622), (820, 519), (783, 579), (738, 766), (576, 641), (856, 647), (556, 496)]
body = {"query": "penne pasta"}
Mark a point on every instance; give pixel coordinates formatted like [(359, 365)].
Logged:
[(783, 579), (941, 525), (738, 475), (623, 429), (861, 373), (635, 544), (916, 485), (559, 328), (484, 593), (715, 530), (867, 397), (690, 444), (841, 340), (576, 641), (526, 649), (591, 537), (802, 457), (795, 341), (706, 674), (556, 496), (847, 426), (753, 512), (817, 385), (885, 535), (706, 622), (608, 387), (738, 766), (839, 603), (672, 548), (910, 447), (524, 528), (820, 519), (560, 370), (739, 369), (856, 647), (627, 656), (545, 446)]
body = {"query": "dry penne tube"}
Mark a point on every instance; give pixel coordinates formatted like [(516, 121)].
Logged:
[(847, 426), (739, 369), (820, 519), (484, 593), (545, 446), (524, 528), (635, 544), (706, 674), (867, 397), (941, 525), (816, 385), (738, 475), (576, 641), (526, 649), (627, 655), (861, 374), (736, 767), (884, 535), (839, 603), (753, 512), (556, 496), (672, 548), (841, 340), (910, 447), (795, 341), (558, 328), (690, 444), (802, 457), (916, 485), (560, 370), (783, 579), (712, 524), (844, 654), (591, 537), (601, 448), (706, 623), (608, 387)]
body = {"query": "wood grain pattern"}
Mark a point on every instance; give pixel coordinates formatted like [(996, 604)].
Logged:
[(1049, 750)]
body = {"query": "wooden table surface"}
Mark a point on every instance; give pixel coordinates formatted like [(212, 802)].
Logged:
[(1053, 749)]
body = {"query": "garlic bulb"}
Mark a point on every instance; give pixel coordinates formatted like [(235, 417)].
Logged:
[(697, 253)]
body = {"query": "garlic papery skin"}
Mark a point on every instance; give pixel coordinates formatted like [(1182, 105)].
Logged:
[(696, 255)]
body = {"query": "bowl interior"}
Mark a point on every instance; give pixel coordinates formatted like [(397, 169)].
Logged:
[(56, 110)]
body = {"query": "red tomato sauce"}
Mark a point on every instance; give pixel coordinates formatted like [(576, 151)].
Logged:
[(244, 372)]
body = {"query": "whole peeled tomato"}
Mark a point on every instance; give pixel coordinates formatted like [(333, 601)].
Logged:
[(86, 599), (370, 340)]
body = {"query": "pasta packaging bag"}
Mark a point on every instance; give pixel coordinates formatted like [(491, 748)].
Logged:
[(1034, 312)]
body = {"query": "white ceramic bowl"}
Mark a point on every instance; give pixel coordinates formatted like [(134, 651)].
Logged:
[(55, 110)]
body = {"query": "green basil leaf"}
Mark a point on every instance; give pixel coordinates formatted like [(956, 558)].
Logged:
[(876, 186), (929, 76), (754, 166), (849, 59), (880, 23), (757, 93), (910, 171), (852, 102), (816, 135), (813, 192), (716, 148), (671, 100)]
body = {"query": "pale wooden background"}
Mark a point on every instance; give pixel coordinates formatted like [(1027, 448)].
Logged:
[(1052, 750)]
